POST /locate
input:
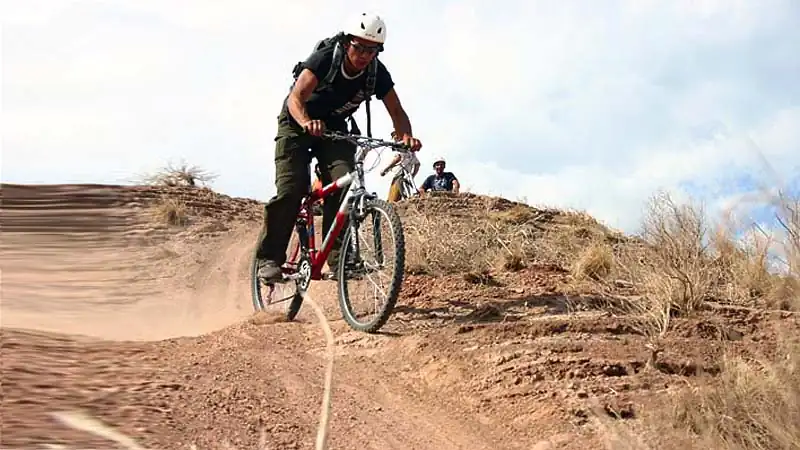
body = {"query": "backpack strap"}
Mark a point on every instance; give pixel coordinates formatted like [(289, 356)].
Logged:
[(338, 56), (372, 75), (336, 63)]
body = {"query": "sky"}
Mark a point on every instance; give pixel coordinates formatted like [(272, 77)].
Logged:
[(590, 105)]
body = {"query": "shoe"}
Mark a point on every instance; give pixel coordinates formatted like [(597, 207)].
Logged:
[(269, 271)]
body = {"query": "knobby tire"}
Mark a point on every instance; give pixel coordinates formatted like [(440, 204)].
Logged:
[(376, 206)]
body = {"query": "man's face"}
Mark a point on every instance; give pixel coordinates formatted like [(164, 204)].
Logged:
[(361, 51), (439, 168)]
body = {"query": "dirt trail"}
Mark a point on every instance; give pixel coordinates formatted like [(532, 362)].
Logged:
[(149, 328), (85, 269)]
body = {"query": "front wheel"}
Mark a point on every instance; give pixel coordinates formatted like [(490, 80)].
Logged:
[(363, 262)]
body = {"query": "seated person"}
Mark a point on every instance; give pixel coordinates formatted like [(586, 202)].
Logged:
[(440, 181)]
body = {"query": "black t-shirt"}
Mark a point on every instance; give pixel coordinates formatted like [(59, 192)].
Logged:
[(443, 183), (344, 95)]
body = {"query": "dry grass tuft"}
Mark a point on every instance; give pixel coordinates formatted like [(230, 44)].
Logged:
[(513, 261), (171, 211), (753, 405), (744, 271), (595, 262)]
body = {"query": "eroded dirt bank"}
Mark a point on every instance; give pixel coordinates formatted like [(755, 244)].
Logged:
[(148, 327)]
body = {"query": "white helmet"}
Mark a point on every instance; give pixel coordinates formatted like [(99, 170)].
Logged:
[(439, 160), (367, 26)]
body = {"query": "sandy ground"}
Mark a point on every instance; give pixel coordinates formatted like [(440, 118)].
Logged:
[(150, 329)]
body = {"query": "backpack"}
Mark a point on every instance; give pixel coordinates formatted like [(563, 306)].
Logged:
[(338, 57)]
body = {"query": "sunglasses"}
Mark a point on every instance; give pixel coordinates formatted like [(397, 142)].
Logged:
[(367, 49)]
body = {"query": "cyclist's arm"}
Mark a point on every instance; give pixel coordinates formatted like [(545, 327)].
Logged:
[(392, 163), (453, 182), (426, 185), (400, 119), (300, 94), (415, 164)]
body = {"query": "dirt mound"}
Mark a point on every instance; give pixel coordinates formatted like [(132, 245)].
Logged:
[(116, 262), (509, 333)]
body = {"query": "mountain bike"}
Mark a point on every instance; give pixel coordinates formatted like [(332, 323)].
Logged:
[(359, 210), (408, 188)]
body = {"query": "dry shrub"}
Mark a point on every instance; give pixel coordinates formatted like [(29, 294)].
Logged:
[(668, 268), (749, 274), (474, 234), (171, 211), (784, 293), (650, 312), (182, 174), (673, 266), (680, 265), (753, 404), (788, 217), (744, 274)]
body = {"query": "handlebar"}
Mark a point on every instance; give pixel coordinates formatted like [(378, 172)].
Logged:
[(364, 141)]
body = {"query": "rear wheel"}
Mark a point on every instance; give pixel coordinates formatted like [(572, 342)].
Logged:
[(406, 189), (284, 296), (368, 247)]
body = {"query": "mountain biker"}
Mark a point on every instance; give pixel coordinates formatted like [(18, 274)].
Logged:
[(305, 114), (404, 161), (440, 180)]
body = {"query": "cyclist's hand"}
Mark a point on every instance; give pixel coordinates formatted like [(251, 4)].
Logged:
[(411, 142), (314, 127)]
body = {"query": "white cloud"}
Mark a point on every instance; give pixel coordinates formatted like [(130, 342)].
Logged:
[(573, 104)]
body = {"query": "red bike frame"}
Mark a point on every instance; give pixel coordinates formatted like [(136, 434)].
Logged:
[(354, 182), (319, 256)]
